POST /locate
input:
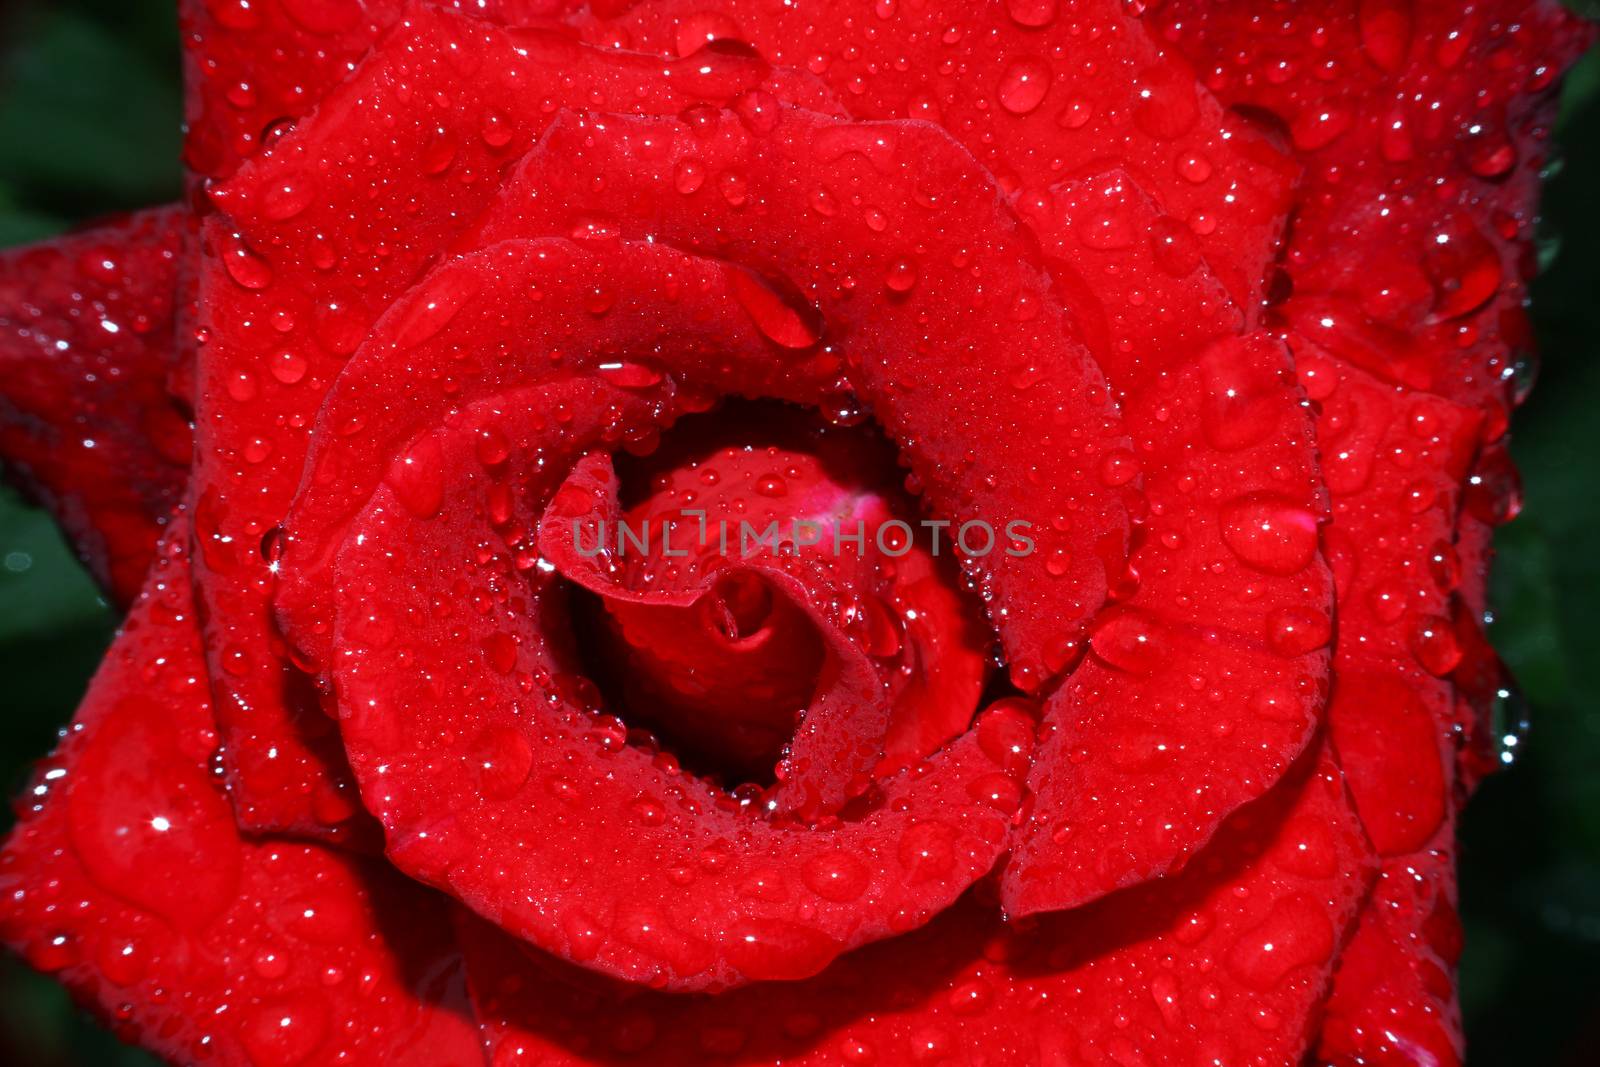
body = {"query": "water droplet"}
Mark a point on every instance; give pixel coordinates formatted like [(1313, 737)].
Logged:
[(1464, 268), (501, 651), (1194, 167), (701, 28), (648, 811), (417, 478), (1489, 153), (1118, 467), (901, 276), (491, 446), (148, 822), (779, 950), (1106, 231), (630, 375), (284, 1032), (998, 791), (688, 176), (778, 320), (287, 197), (1296, 631), (1024, 85), (874, 626), (1168, 100), (1032, 13), (1319, 126), (1175, 247), (584, 936), (440, 154), (1270, 533), (244, 265), (340, 327), (242, 386), (1494, 490), (1295, 933), (928, 851), (647, 932), (733, 188), (1433, 642), (1006, 733), (1164, 990), (1128, 641), (971, 997), (440, 298), (836, 876), (496, 131), (1385, 31)]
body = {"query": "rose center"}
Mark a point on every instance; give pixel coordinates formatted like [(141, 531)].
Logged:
[(738, 606), (738, 592)]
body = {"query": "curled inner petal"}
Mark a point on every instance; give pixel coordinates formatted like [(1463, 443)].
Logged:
[(754, 582)]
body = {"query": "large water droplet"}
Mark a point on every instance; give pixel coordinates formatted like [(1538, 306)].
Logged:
[(1433, 642), (244, 265), (1024, 85), (148, 823), (836, 876), (1032, 13), (435, 305), (1128, 641), (778, 320), (1296, 631), (1295, 933), (282, 1033), (928, 851), (287, 197), (417, 478), (1270, 533)]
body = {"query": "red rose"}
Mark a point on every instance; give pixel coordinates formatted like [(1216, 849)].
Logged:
[(1017, 725)]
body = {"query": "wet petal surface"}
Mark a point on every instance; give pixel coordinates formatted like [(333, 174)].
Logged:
[(87, 424), (128, 880)]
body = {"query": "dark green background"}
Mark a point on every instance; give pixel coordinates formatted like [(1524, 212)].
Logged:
[(89, 110)]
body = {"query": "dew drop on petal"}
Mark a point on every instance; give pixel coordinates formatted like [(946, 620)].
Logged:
[(1269, 533), (1024, 85)]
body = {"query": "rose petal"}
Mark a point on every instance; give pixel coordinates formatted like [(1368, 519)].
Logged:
[(127, 880), (252, 69), (1396, 461), (850, 716), (873, 632), (645, 873), (1227, 961), (1208, 686), (1144, 294), (1416, 282), (1029, 96), (1410, 92), (291, 289), (86, 422), (1246, 386), (1018, 437), (1394, 991), (1420, 284)]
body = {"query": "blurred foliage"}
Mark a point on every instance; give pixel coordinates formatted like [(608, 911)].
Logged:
[(89, 124), (89, 111)]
